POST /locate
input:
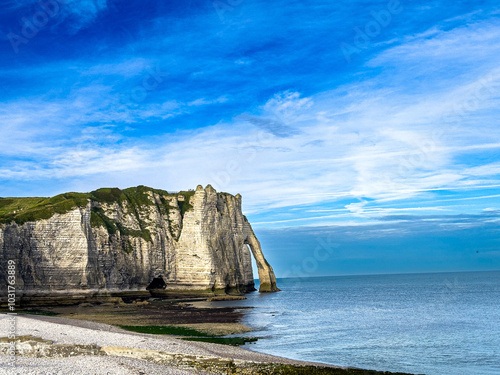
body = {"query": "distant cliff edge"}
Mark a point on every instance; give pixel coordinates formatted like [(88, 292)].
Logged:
[(113, 240)]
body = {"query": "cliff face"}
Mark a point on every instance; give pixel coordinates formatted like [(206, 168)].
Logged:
[(117, 241)]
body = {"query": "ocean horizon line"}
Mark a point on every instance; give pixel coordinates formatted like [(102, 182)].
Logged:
[(385, 274)]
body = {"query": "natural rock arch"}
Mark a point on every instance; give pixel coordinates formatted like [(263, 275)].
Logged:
[(266, 274)]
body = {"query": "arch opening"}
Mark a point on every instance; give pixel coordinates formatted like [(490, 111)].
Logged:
[(267, 278)]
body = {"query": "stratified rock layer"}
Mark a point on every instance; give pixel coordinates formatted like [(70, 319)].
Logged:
[(199, 241)]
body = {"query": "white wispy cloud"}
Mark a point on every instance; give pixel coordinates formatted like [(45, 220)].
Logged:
[(387, 138), (77, 14), (461, 46)]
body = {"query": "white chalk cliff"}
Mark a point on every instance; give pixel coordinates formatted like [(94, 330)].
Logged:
[(199, 240)]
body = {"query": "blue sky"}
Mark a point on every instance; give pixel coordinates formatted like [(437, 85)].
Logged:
[(375, 118)]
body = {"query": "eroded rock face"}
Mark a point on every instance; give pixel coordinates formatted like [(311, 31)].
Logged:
[(200, 241)]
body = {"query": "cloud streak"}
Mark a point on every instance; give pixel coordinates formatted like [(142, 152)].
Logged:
[(414, 121)]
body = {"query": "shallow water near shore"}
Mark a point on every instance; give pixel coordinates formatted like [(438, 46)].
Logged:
[(447, 323)]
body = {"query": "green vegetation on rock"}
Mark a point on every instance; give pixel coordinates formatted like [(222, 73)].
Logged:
[(186, 205), (277, 369), (166, 330), (22, 210), (233, 341), (107, 195), (99, 219), (135, 198), (133, 201), (190, 334), (143, 233)]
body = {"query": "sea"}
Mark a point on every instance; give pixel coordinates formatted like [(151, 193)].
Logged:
[(435, 324)]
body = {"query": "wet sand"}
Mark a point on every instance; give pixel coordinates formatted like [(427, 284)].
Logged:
[(214, 321), (54, 345), (85, 340)]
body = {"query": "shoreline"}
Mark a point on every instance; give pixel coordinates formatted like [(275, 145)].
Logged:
[(176, 312), (61, 342)]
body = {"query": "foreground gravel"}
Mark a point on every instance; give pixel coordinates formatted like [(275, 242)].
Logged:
[(77, 332), (87, 365)]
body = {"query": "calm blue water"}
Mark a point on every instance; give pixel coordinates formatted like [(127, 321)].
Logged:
[(438, 324)]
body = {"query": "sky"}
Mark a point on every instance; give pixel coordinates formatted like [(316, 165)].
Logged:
[(371, 126)]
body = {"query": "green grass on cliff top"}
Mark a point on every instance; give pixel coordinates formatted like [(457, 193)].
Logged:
[(22, 210)]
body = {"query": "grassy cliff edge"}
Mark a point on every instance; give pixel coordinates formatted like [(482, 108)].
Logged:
[(29, 209)]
